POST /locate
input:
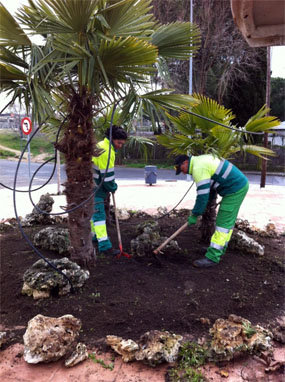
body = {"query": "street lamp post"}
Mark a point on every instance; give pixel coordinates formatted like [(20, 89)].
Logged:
[(265, 142), (191, 59)]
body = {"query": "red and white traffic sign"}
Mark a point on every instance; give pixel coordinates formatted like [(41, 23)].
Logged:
[(26, 125)]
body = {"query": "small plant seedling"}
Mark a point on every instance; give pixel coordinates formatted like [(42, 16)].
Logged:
[(101, 362), (249, 330)]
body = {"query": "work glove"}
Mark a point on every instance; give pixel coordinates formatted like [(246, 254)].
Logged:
[(115, 187), (192, 220)]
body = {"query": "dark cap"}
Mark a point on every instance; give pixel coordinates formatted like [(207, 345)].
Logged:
[(178, 162)]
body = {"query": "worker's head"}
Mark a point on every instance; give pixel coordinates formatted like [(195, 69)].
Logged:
[(119, 136), (181, 164)]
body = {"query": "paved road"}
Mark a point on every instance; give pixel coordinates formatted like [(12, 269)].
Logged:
[(7, 171)]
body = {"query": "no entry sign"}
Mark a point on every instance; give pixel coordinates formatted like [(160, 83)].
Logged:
[(26, 125)]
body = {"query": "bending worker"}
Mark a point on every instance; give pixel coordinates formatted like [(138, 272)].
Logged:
[(213, 174), (100, 163)]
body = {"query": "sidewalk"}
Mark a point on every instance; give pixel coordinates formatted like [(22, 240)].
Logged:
[(260, 207)]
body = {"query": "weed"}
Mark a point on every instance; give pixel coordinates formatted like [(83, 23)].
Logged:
[(249, 331), (95, 295), (191, 356), (188, 375), (101, 362)]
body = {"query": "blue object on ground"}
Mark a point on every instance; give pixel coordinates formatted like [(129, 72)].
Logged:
[(150, 175)]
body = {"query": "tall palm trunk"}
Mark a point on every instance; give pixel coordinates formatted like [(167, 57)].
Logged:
[(208, 220), (77, 146)]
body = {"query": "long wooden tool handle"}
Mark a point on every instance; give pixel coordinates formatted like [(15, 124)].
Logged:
[(185, 225), (117, 221)]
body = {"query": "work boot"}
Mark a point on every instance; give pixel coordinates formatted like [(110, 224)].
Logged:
[(204, 263), (111, 252)]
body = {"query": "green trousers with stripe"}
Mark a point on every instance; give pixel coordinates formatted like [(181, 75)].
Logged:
[(225, 223), (98, 225)]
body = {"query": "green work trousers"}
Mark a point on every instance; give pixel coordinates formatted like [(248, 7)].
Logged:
[(225, 223), (98, 225)]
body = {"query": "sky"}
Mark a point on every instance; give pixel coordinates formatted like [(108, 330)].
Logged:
[(277, 53)]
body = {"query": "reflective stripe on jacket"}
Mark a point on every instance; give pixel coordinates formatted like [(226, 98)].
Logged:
[(100, 169), (213, 174)]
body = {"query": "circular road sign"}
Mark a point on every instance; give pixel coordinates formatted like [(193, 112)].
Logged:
[(26, 125)]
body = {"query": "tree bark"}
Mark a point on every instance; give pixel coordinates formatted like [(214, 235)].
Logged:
[(77, 146), (208, 220)]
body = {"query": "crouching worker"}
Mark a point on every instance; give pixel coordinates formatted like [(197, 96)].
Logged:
[(101, 172), (213, 174)]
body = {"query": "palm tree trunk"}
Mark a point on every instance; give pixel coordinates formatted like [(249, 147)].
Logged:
[(208, 220), (77, 146)]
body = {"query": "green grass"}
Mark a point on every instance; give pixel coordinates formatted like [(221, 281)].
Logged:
[(7, 154), (38, 145), (138, 164)]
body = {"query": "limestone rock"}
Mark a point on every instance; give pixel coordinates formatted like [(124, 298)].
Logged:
[(48, 339), (236, 335), (53, 238), (40, 281), (36, 217), (244, 225), (149, 239), (157, 347), (3, 338), (123, 214), (80, 354), (126, 348), (153, 348), (244, 243)]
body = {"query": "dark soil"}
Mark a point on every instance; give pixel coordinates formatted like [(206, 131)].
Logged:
[(127, 297)]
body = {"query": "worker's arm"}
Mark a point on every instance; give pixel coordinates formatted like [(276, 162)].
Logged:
[(202, 179)]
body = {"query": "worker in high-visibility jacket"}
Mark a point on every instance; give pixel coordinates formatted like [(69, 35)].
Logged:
[(104, 177), (211, 173)]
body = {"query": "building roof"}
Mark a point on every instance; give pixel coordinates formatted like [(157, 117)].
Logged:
[(262, 22)]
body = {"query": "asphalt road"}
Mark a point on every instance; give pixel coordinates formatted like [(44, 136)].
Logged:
[(8, 168)]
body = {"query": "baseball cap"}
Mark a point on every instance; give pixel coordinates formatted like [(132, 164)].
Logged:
[(178, 161)]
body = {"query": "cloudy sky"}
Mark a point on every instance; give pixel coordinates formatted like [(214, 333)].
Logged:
[(277, 53)]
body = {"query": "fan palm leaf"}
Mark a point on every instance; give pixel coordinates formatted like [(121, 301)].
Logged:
[(173, 39), (10, 31)]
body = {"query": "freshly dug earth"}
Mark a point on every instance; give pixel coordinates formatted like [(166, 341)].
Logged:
[(127, 297)]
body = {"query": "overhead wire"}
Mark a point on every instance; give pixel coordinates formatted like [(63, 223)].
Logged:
[(44, 212)]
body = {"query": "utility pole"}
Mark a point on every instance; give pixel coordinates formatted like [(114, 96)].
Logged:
[(267, 101), (191, 59)]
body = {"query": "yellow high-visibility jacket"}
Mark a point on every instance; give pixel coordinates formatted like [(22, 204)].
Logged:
[(100, 170)]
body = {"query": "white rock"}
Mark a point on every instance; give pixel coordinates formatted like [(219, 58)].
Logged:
[(80, 354), (48, 339), (123, 214), (244, 243)]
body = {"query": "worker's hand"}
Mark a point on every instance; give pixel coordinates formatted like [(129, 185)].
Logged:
[(192, 219), (115, 188)]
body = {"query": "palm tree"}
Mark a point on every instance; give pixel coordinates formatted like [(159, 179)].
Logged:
[(93, 54), (194, 135)]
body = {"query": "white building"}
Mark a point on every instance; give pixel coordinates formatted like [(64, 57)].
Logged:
[(278, 137)]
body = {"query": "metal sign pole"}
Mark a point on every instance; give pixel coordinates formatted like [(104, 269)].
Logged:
[(26, 127), (29, 157)]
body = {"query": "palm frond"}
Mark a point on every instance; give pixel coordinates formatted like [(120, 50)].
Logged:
[(170, 101), (57, 16), (143, 145), (261, 122), (10, 31), (129, 18), (11, 73), (177, 40), (258, 151), (9, 57)]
